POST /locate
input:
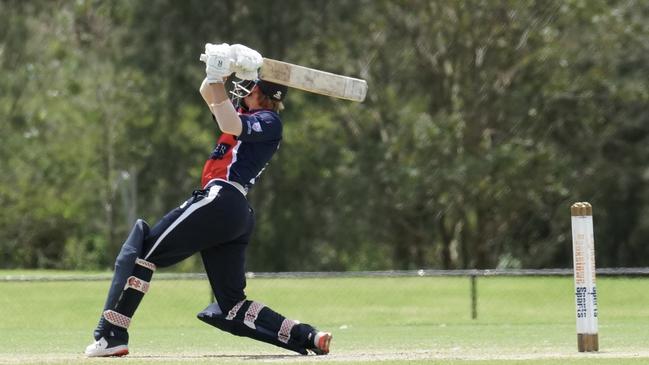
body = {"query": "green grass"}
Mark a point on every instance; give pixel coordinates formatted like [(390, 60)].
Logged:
[(392, 320)]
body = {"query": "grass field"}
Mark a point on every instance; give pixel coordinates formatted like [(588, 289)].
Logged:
[(521, 320)]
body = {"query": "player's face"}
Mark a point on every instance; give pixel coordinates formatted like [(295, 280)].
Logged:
[(254, 99)]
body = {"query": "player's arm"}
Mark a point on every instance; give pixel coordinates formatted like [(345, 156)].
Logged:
[(220, 61), (206, 93), (217, 100)]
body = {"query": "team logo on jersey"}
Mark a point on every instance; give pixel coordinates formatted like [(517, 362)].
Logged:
[(256, 127)]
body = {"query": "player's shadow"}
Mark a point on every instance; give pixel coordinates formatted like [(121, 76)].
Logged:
[(245, 357)]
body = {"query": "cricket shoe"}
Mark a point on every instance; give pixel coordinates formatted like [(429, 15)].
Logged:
[(107, 346), (321, 342)]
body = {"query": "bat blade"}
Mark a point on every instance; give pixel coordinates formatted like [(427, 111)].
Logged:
[(312, 80)]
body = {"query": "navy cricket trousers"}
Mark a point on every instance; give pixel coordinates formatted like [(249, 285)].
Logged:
[(218, 223)]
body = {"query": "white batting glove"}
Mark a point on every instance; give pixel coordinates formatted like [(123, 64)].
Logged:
[(247, 62), (218, 62)]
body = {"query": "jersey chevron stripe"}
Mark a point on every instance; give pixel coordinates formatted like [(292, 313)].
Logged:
[(235, 149)]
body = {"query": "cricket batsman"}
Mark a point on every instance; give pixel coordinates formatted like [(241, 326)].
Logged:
[(216, 221)]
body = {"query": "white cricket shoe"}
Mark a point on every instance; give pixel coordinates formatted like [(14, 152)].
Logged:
[(102, 348)]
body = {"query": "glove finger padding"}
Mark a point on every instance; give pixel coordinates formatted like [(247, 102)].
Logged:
[(218, 49), (245, 58)]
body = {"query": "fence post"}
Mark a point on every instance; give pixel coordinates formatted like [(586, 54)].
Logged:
[(474, 296)]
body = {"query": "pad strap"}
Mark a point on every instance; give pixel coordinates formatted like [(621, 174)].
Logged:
[(137, 284), (147, 264), (117, 319), (233, 312), (252, 313), (284, 333)]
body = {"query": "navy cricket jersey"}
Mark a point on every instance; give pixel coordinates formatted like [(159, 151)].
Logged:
[(243, 158)]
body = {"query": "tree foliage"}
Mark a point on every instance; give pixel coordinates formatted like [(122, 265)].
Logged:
[(484, 121)]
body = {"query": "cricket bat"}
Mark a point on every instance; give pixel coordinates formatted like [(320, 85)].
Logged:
[(312, 80)]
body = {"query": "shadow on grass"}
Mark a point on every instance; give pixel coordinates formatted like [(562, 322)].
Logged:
[(222, 356)]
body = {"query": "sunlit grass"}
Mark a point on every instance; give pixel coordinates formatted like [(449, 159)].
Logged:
[(524, 317)]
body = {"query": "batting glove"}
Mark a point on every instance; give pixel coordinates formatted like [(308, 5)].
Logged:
[(218, 62), (247, 62)]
